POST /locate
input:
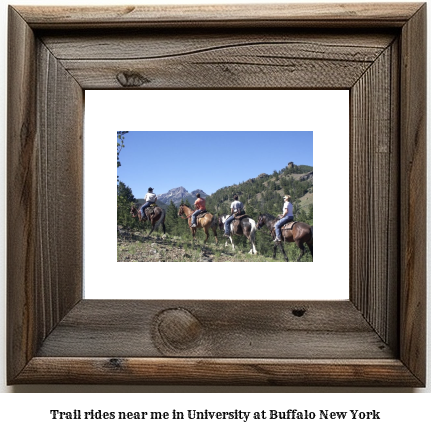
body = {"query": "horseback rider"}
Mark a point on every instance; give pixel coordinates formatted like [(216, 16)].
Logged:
[(286, 217), (200, 207), (150, 198), (236, 209)]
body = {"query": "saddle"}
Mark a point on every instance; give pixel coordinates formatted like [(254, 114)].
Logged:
[(150, 209), (289, 225), (241, 216), (201, 215)]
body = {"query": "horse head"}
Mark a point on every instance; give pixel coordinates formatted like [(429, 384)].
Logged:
[(133, 211), (181, 210), (261, 221)]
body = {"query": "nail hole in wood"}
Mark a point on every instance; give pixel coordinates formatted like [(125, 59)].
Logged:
[(298, 312), (115, 363)]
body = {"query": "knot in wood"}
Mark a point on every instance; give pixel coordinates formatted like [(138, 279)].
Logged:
[(178, 329), (131, 79)]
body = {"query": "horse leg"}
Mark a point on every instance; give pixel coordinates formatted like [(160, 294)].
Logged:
[(253, 247), (152, 229), (252, 236), (275, 252), (215, 234), (310, 246), (251, 251), (300, 244), (282, 249), (207, 234), (231, 242)]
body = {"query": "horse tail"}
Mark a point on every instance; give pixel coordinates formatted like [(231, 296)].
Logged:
[(311, 239), (162, 218), (214, 222)]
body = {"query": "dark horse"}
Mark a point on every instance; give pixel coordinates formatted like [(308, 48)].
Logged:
[(206, 222), (300, 233), (155, 215), (246, 226)]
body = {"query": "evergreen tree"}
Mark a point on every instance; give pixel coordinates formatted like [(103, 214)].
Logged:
[(125, 192), (172, 219), (125, 199)]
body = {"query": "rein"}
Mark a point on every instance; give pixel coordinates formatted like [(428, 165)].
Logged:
[(185, 217), (269, 222)]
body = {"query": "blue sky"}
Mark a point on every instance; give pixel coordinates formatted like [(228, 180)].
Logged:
[(207, 160)]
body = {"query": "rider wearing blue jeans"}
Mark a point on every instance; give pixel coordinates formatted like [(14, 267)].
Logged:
[(236, 208), (286, 217), (150, 198)]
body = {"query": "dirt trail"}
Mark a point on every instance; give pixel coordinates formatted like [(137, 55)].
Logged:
[(137, 247)]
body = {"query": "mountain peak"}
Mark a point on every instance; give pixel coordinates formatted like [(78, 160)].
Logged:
[(199, 191), (176, 195)]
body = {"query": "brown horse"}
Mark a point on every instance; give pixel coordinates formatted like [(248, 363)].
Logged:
[(156, 215), (205, 222), (300, 233)]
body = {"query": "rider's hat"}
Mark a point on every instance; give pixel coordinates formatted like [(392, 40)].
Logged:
[(286, 197), (150, 189)]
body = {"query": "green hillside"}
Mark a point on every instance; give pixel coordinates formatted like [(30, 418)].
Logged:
[(263, 194)]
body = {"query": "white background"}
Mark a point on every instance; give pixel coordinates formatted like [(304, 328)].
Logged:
[(324, 112), (400, 410)]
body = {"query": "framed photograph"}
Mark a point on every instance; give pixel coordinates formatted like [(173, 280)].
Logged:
[(376, 337)]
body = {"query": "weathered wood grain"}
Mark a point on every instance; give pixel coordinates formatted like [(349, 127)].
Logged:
[(245, 66), (375, 15), (413, 194), (329, 372), (373, 192), (375, 338), (227, 60), (21, 196), (140, 44), (235, 329), (45, 187), (59, 183)]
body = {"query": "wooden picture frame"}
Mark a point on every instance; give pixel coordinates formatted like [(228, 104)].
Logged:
[(376, 338)]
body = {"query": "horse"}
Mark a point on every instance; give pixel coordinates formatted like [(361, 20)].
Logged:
[(205, 222), (156, 215), (300, 233), (245, 226)]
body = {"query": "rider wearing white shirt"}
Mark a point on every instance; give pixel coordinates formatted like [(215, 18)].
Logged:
[(236, 208), (285, 218), (150, 198)]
